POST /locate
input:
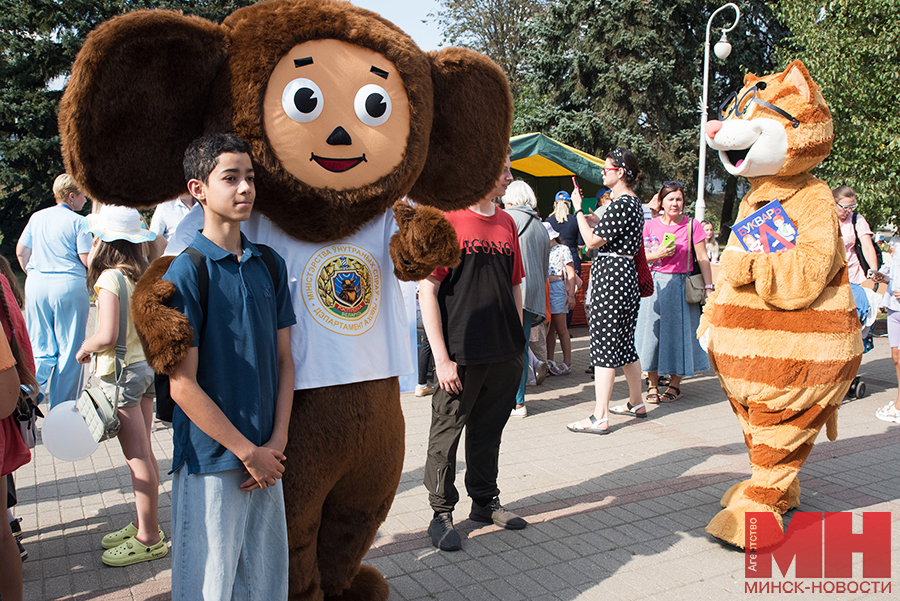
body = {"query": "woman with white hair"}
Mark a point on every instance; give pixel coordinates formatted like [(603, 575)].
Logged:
[(521, 205)]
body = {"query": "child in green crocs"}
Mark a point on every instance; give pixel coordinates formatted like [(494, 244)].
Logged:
[(119, 247)]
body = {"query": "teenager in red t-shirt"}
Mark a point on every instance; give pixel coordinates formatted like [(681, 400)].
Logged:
[(473, 318)]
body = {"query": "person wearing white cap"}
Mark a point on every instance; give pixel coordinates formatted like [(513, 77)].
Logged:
[(563, 281), (118, 258), (53, 251)]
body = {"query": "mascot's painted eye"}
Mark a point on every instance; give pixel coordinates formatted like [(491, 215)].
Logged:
[(302, 100), (372, 105)]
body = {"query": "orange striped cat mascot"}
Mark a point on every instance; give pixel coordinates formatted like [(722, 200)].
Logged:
[(783, 335)]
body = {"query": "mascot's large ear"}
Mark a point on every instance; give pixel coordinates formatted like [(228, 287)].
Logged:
[(138, 95), (469, 143)]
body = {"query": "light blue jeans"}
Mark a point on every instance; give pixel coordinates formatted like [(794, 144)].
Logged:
[(56, 312), (227, 544)]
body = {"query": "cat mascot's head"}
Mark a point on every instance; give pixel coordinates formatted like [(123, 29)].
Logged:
[(777, 125)]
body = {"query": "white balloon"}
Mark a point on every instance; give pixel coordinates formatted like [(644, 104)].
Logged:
[(65, 434)]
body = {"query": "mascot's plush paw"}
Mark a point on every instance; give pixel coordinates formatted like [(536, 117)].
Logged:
[(164, 332), (734, 493), (425, 240), (368, 585), (831, 427), (729, 525)]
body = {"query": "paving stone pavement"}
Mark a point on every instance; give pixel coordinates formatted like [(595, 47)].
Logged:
[(617, 517)]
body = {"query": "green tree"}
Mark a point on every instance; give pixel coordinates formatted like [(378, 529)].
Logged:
[(629, 73), (493, 27), (38, 43), (852, 49)]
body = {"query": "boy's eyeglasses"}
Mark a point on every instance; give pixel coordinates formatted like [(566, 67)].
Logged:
[(673, 184), (847, 207)]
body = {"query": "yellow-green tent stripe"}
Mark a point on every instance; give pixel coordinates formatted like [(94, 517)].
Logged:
[(540, 156)]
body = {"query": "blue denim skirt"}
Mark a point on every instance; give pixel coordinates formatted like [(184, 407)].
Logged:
[(666, 335)]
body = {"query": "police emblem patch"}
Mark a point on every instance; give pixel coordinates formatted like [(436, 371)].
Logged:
[(341, 288)]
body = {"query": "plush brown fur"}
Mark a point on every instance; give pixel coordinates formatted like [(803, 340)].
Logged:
[(424, 240), (167, 335), (145, 84), (458, 140), (783, 333)]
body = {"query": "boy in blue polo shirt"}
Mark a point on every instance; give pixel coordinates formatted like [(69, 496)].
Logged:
[(234, 392)]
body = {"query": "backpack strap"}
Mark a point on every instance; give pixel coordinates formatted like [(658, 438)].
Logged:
[(199, 261), (123, 323), (268, 257)]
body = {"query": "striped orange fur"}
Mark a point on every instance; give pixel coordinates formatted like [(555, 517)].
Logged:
[(783, 335)]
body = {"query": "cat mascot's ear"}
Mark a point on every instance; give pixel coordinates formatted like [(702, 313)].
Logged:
[(469, 141), (155, 67)]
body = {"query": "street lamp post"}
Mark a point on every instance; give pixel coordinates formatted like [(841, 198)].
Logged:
[(722, 50)]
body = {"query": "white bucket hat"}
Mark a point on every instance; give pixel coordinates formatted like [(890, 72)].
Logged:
[(119, 223)]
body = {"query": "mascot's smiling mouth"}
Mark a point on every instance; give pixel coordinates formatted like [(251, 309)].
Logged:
[(337, 165), (737, 156)]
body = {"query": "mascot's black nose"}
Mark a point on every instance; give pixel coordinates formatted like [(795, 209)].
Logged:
[(339, 137)]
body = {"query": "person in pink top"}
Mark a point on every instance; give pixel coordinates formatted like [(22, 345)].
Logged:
[(666, 326), (845, 205)]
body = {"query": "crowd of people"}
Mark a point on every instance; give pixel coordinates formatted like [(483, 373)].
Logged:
[(481, 321)]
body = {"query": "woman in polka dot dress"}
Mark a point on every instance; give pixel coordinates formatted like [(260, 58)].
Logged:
[(614, 298)]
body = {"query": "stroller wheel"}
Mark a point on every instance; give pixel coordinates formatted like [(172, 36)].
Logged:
[(860, 391)]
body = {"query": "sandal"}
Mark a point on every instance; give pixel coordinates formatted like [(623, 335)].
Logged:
[(888, 414), (593, 429), (668, 397), (113, 540), (652, 397), (627, 409), (132, 551), (660, 381)]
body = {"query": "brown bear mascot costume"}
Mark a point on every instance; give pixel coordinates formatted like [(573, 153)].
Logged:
[(345, 115), (784, 337)]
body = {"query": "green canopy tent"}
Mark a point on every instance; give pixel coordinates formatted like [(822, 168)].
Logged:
[(548, 166)]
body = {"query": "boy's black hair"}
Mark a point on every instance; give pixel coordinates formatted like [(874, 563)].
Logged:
[(202, 156)]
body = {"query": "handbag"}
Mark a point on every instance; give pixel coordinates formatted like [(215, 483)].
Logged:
[(100, 412), (694, 286), (25, 415), (645, 278)]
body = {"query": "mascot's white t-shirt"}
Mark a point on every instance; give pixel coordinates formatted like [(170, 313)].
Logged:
[(351, 322)]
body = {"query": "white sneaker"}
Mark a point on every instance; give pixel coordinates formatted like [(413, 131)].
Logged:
[(424, 390), (519, 411)]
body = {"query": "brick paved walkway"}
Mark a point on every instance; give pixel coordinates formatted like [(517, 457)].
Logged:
[(612, 517)]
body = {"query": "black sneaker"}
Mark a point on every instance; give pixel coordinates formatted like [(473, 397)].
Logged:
[(494, 513), (16, 528), (22, 550), (443, 534)]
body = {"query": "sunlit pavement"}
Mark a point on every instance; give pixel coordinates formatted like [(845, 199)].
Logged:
[(611, 517)]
